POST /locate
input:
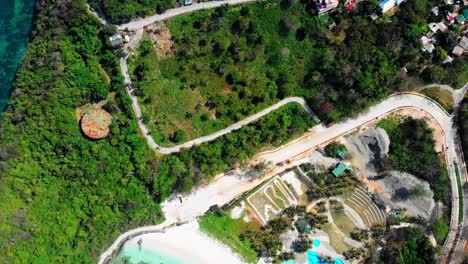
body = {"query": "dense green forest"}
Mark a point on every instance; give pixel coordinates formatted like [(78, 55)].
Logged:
[(407, 245), (412, 149), (66, 198), (121, 11), (232, 62)]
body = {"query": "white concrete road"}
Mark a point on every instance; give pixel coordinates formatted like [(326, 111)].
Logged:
[(142, 22), (226, 188)]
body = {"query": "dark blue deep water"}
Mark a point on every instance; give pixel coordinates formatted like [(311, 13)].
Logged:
[(15, 26)]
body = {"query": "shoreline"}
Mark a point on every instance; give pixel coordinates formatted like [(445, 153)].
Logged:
[(180, 244)]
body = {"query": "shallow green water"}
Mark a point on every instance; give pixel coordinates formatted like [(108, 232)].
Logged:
[(131, 254), (15, 26)]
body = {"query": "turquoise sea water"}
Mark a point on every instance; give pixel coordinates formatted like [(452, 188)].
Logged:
[(131, 254), (15, 25)]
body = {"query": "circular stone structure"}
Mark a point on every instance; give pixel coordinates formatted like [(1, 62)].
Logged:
[(95, 124)]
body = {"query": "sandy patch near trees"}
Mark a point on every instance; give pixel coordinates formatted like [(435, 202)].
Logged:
[(162, 40)]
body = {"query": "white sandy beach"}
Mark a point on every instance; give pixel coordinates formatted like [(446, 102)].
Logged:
[(187, 244)]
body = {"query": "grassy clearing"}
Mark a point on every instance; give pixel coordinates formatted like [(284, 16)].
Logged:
[(336, 237), (342, 221), (228, 231), (359, 211), (443, 97)]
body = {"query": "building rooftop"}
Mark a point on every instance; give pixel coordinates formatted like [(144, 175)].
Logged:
[(464, 43), (116, 40), (458, 51), (427, 44), (338, 170)]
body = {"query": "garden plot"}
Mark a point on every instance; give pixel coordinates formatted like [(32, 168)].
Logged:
[(269, 200)]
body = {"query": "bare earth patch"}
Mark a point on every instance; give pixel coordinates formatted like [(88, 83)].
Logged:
[(161, 38)]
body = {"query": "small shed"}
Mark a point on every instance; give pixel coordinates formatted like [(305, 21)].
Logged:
[(339, 169), (303, 226), (116, 41), (448, 60)]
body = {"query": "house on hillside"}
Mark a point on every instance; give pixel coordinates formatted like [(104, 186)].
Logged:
[(323, 6), (386, 5), (116, 41), (458, 51), (463, 43), (427, 44), (442, 26), (434, 27)]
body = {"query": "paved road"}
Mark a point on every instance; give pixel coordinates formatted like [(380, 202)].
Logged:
[(226, 188), (324, 134), (142, 22)]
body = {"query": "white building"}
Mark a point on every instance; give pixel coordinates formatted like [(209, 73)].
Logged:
[(434, 27), (116, 41), (427, 44), (389, 4)]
